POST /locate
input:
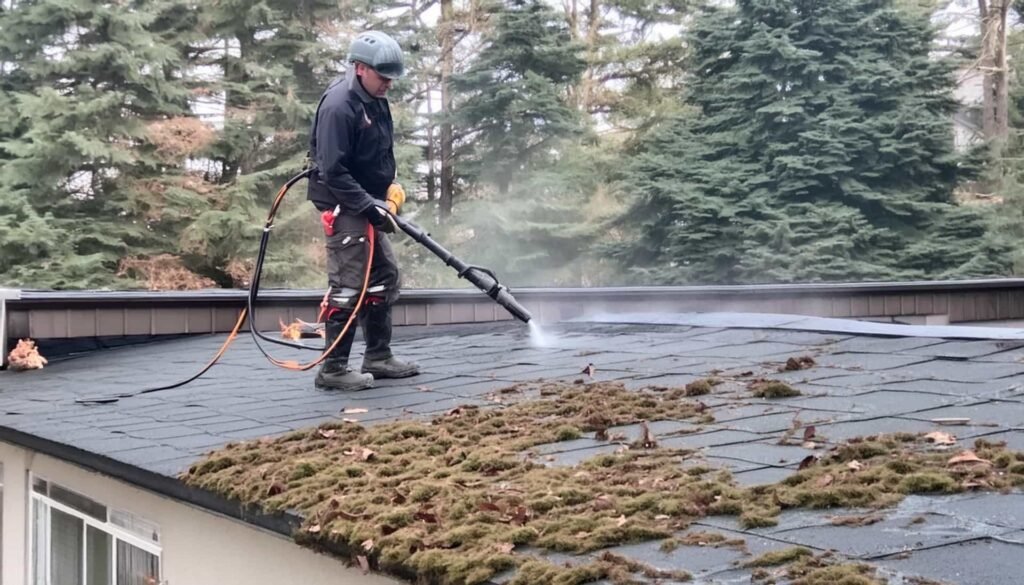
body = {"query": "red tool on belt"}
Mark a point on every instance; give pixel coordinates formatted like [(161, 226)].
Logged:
[(327, 218)]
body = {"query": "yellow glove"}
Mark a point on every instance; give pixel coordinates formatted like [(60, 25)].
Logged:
[(395, 198)]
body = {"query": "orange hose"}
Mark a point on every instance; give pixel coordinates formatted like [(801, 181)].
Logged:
[(292, 364), (286, 364), (371, 238)]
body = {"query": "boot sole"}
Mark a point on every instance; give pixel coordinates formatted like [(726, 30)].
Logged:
[(392, 375), (352, 388)]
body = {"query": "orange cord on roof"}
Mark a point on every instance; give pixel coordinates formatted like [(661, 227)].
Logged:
[(286, 364), (296, 366)]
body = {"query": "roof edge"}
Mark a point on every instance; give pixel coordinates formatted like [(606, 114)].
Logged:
[(281, 523), (234, 296)]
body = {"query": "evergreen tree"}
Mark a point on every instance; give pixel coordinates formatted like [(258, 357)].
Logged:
[(821, 150), (520, 146), (87, 86), (636, 63), (514, 106), (543, 232)]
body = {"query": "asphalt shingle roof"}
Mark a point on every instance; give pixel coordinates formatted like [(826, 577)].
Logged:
[(89, 410)]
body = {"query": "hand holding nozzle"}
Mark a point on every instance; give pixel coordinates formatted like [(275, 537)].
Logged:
[(381, 218)]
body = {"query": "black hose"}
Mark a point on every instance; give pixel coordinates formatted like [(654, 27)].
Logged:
[(254, 286)]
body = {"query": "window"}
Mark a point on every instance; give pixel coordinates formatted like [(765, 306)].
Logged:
[(1, 523), (79, 541)]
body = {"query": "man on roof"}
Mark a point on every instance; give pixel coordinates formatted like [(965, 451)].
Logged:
[(353, 184)]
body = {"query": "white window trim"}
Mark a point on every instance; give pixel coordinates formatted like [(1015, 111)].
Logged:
[(115, 531)]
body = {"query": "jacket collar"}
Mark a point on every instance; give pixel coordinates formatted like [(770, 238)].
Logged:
[(355, 87)]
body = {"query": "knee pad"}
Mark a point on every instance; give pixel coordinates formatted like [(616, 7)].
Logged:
[(342, 298)]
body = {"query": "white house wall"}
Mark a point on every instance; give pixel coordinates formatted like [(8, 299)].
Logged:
[(199, 547)]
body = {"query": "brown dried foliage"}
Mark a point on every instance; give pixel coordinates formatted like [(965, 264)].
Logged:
[(240, 271), (179, 138), (163, 272), (26, 356)]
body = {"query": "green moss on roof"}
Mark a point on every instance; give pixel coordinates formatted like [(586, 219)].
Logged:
[(457, 499)]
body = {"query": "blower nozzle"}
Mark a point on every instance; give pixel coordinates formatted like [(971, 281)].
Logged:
[(504, 298), (482, 278)]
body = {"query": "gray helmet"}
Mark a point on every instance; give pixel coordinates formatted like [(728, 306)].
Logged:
[(380, 52)]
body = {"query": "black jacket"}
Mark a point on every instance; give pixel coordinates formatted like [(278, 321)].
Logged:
[(351, 145)]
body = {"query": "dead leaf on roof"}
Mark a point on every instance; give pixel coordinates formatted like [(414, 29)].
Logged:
[(367, 545), (364, 563), (807, 462), (361, 453), (455, 412), (798, 363), (809, 445), (488, 507), (520, 515), (349, 420), (809, 432), (603, 502), (423, 388), (647, 440), (354, 411), (940, 438), (504, 548), (426, 516), (967, 458), (589, 370), (25, 356), (601, 434)]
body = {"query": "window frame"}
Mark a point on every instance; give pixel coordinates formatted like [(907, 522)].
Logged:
[(116, 533)]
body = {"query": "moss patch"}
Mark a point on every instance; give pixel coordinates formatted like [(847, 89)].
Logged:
[(698, 388), (794, 364), (709, 539), (779, 557), (453, 499), (798, 566), (772, 389)]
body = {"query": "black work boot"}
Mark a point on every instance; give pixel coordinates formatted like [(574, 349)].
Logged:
[(334, 373), (375, 318)]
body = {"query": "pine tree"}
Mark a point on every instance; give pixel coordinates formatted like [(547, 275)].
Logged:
[(635, 63), (514, 106), (821, 150), (88, 85)]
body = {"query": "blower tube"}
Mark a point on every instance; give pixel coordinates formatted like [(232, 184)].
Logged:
[(482, 278)]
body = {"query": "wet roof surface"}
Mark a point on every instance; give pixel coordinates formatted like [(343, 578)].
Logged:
[(861, 385)]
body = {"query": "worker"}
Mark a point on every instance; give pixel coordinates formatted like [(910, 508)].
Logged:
[(353, 184)]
